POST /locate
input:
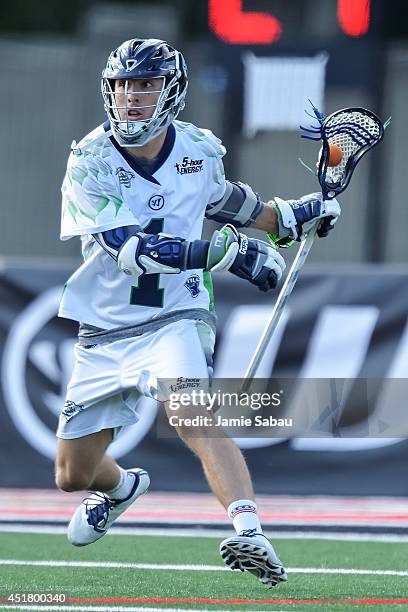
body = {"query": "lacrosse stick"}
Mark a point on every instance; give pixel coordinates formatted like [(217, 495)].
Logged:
[(355, 131)]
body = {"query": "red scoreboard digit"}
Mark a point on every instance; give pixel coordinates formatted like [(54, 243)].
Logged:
[(354, 16), (234, 26)]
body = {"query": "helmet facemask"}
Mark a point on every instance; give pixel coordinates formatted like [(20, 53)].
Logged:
[(137, 132)]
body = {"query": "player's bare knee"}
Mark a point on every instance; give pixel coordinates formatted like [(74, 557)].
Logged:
[(70, 484), (69, 479)]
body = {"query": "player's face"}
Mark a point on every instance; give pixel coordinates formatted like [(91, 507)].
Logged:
[(136, 99)]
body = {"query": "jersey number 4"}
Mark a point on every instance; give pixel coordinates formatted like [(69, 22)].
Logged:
[(147, 292)]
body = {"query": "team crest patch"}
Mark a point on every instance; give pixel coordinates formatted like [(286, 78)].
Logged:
[(125, 176), (193, 285), (71, 409)]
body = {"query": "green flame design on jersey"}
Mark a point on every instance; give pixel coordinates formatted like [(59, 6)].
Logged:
[(90, 170)]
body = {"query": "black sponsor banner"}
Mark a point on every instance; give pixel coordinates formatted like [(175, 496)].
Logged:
[(348, 325)]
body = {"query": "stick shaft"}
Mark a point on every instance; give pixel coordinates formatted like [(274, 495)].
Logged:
[(280, 303)]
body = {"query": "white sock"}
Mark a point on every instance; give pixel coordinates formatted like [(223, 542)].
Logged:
[(124, 486), (244, 515)]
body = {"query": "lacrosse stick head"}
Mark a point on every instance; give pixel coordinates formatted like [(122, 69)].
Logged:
[(355, 131)]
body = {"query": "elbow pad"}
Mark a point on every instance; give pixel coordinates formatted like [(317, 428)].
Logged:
[(137, 253), (153, 254), (240, 206)]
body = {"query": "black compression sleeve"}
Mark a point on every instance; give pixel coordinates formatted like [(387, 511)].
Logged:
[(197, 255)]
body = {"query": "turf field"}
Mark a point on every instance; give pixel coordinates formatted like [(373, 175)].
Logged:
[(186, 573)]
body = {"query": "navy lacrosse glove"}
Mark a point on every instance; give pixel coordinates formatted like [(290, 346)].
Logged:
[(297, 217), (253, 260)]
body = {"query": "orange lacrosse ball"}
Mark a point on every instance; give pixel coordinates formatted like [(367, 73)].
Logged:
[(335, 156)]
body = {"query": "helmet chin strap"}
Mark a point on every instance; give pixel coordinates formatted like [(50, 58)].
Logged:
[(145, 135), (132, 128)]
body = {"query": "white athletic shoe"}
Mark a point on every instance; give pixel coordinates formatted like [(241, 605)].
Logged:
[(252, 552), (96, 513)]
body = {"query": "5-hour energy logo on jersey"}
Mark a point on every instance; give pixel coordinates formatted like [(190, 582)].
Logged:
[(189, 166)]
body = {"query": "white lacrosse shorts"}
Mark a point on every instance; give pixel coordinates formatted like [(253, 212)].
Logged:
[(108, 379)]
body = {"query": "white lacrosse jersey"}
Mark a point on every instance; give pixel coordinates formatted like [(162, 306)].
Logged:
[(105, 188)]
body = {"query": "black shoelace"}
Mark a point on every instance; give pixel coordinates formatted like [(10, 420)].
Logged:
[(97, 515), (248, 533)]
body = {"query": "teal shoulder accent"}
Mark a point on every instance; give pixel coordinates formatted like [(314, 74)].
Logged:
[(90, 186), (95, 138), (208, 143), (94, 146)]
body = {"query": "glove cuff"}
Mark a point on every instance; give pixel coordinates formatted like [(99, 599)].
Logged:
[(282, 243), (286, 218), (223, 249)]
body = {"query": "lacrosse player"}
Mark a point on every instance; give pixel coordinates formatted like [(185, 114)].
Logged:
[(136, 191)]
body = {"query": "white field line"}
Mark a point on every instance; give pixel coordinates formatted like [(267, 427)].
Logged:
[(113, 608), (194, 568), (218, 533), (116, 565)]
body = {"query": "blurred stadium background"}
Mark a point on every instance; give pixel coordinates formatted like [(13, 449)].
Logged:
[(348, 316)]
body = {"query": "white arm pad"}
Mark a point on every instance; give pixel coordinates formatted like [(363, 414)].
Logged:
[(127, 257), (142, 264)]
